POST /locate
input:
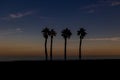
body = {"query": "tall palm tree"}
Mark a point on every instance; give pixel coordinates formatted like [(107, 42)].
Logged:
[(45, 35), (66, 34), (51, 34), (82, 33)]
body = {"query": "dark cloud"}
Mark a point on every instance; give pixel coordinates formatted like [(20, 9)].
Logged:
[(91, 8)]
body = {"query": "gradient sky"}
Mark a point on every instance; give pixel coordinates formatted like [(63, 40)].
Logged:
[(21, 22)]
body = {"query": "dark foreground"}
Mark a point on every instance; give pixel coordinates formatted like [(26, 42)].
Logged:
[(98, 61), (76, 66)]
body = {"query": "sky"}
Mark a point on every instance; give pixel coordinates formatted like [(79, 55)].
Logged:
[(21, 23)]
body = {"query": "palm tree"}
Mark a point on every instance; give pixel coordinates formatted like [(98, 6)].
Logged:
[(82, 33), (66, 34), (45, 35), (51, 34)]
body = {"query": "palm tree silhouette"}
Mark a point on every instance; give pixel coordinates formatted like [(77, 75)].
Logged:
[(45, 35), (66, 34), (51, 34), (82, 33)]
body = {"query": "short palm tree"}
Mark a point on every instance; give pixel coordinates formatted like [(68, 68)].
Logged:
[(51, 34), (66, 34), (45, 35), (82, 33)]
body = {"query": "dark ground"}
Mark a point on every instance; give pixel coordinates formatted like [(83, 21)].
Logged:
[(73, 64), (72, 67), (69, 62)]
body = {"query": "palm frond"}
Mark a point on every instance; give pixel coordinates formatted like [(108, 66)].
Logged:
[(45, 32), (66, 33), (82, 33)]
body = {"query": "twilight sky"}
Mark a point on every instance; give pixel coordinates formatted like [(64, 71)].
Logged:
[(21, 22)]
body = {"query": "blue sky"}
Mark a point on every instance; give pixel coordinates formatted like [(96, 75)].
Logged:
[(23, 20), (93, 14)]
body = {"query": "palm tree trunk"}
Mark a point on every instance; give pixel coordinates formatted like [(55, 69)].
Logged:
[(46, 54), (65, 52), (51, 48), (80, 52)]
